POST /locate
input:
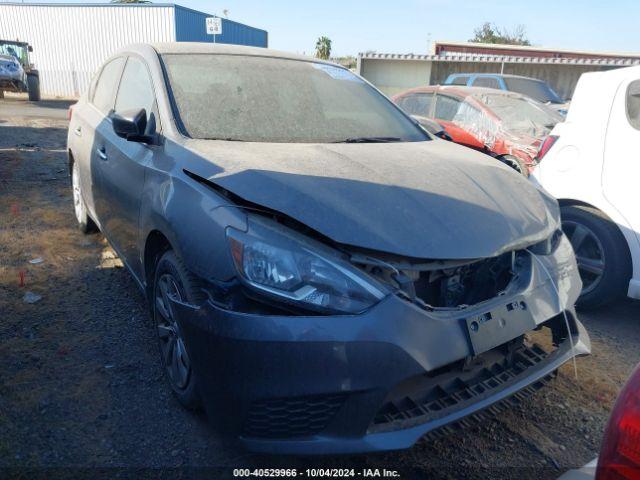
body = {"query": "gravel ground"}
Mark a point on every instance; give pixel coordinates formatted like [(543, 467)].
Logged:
[(82, 393)]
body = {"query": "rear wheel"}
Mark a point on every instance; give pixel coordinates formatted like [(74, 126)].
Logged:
[(33, 86), (514, 162), (602, 254), (173, 281), (85, 223)]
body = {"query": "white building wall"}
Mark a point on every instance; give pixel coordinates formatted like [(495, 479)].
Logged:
[(71, 42), (392, 76)]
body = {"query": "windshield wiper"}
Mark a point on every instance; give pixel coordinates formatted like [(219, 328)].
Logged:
[(370, 140)]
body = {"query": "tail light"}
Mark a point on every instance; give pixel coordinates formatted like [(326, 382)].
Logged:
[(620, 452), (70, 113), (546, 146)]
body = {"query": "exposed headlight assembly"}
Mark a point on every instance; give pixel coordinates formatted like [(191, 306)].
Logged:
[(291, 270)]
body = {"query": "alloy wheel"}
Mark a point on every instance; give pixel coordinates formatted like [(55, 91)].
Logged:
[(78, 204), (589, 254), (172, 349), (514, 164)]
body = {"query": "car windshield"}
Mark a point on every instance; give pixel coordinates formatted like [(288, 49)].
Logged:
[(260, 99), (18, 52), (521, 115), (535, 89)]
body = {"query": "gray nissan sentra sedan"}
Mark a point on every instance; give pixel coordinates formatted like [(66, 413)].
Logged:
[(324, 276)]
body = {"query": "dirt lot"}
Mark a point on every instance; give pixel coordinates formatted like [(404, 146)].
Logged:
[(82, 394)]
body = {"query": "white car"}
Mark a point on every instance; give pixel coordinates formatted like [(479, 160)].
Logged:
[(591, 164)]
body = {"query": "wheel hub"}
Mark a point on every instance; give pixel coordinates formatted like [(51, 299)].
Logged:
[(172, 349), (589, 254)]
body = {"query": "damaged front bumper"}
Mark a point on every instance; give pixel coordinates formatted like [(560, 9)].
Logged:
[(379, 380)]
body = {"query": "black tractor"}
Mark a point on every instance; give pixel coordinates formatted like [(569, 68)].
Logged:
[(17, 73)]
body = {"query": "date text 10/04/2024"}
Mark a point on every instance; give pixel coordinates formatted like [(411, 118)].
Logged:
[(316, 473)]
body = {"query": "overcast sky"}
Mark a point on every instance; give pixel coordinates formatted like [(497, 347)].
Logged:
[(405, 26)]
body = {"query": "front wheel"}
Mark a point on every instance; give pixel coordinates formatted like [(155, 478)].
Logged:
[(601, 252), (33, 87), (173, 281)]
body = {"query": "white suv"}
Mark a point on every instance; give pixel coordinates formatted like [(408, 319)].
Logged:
[(591, 164)]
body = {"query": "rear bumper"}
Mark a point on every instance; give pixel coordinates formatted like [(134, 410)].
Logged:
[(322, 385)]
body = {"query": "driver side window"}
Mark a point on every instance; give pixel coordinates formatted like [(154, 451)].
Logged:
[(136, 89)]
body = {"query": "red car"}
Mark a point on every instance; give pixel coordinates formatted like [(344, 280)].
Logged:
[(620, 451), (506, 125)]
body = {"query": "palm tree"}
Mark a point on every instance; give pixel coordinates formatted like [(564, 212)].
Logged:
[(323, 48)]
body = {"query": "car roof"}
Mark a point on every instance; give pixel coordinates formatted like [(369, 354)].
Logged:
[(14, 42), (216, 48), (501, 75), (462, 91), (595, 92)]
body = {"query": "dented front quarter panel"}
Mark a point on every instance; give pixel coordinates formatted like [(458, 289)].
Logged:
[(191, 216)]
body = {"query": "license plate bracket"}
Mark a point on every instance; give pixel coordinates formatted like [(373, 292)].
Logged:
[(495, 327)]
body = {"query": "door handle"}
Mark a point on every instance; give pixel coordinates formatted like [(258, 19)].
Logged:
[(78, 131), (102, 153)]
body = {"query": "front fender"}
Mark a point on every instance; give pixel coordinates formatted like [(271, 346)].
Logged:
[(193, 218)]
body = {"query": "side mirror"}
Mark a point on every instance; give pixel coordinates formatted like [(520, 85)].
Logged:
[(132, 126), (30, 48)]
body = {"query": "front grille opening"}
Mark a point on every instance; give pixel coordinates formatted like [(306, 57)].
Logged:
[(448, 284), (291, 417), (439, 393), (467, 284)]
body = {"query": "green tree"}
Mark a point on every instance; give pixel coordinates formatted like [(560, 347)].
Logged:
[(490, 33), (323, 48)]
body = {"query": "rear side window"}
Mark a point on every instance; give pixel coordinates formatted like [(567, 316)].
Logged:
[(633, 104), (486, 82), (459, 81), (136, 90), (447, 107), (104, 95), (416, 104)]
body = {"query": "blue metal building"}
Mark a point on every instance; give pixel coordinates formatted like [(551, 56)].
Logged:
[(190, 27)]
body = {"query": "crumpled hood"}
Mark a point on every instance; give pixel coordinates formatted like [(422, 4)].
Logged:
[(427, 200)]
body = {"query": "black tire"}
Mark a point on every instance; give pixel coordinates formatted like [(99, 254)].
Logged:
[(189, 289), (33, 86), (514, 162), (85, 223), (594, 236)]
